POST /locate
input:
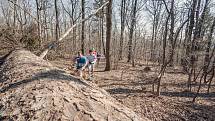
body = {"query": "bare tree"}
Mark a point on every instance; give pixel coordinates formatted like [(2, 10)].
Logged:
[(172, 39), (38, 18), (14, 15), (57, 20), (131, 29), (123, 17), (108, 34), (82, 25), (190, 62), (155, 10), (209, 63)]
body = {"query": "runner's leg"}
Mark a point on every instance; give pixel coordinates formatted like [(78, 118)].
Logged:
[(80, 73), (92, 69)]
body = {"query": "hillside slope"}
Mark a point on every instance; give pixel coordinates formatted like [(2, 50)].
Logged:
[(33, 89)]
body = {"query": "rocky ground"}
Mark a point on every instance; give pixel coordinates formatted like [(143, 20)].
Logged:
[(132, 86)]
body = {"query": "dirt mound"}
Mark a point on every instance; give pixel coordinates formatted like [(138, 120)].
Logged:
[(32, 89)]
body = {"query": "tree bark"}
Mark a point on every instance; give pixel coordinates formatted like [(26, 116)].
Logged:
[(14, 16), (131, 30), (171, 35), (108, 34), (82, 25), (190, 44), (123, 16), (207, 58), (57, 20), (38, 19)]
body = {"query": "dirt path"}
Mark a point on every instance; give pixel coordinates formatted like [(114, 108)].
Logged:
[(132, 87)]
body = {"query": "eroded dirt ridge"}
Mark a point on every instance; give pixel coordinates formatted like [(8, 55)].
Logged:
[(32, 89)]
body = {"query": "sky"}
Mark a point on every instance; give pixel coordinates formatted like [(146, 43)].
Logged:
[(144, 16)]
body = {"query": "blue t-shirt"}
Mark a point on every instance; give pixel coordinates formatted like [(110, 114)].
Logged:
[(81, 61)]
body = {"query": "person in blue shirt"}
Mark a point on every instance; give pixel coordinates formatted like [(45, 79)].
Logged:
[(81, 63)]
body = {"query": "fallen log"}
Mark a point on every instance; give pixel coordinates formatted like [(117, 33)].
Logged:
[(33, 89)]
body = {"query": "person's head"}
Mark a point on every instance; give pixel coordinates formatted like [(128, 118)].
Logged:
[(79, 53), (91, 51)]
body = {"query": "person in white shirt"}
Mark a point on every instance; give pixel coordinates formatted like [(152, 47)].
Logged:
[(92, 61)]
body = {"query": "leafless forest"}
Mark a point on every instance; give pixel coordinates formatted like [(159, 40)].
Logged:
[(159, 55)]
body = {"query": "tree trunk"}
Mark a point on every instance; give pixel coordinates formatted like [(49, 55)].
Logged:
[(57, 20), (108, 34), (207, 58), (102, 36), (82, 25), (38, 20), (14, 16), (131, 30), (190, 44), (123, 16), (171, 35)]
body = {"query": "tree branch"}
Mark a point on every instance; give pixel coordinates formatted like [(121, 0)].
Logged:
[(55, 43), (26, 12), (166, 6)]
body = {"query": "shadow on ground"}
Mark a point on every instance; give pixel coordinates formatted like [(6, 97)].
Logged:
[(52, 75), (125, 91), (187, 94), (193, 112)]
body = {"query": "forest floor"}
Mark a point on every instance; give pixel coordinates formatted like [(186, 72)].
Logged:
[(133, 87), (32, 89)]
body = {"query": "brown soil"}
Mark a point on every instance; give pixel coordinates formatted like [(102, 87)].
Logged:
[(132, 86)]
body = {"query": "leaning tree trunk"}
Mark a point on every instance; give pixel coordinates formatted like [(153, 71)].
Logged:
[(32, 89), (55, 43)]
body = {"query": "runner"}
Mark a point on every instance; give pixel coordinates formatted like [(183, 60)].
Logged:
[(81, 63), (92, 61), (94, 51)]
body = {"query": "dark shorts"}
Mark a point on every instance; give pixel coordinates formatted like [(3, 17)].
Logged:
[(79, 67)]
